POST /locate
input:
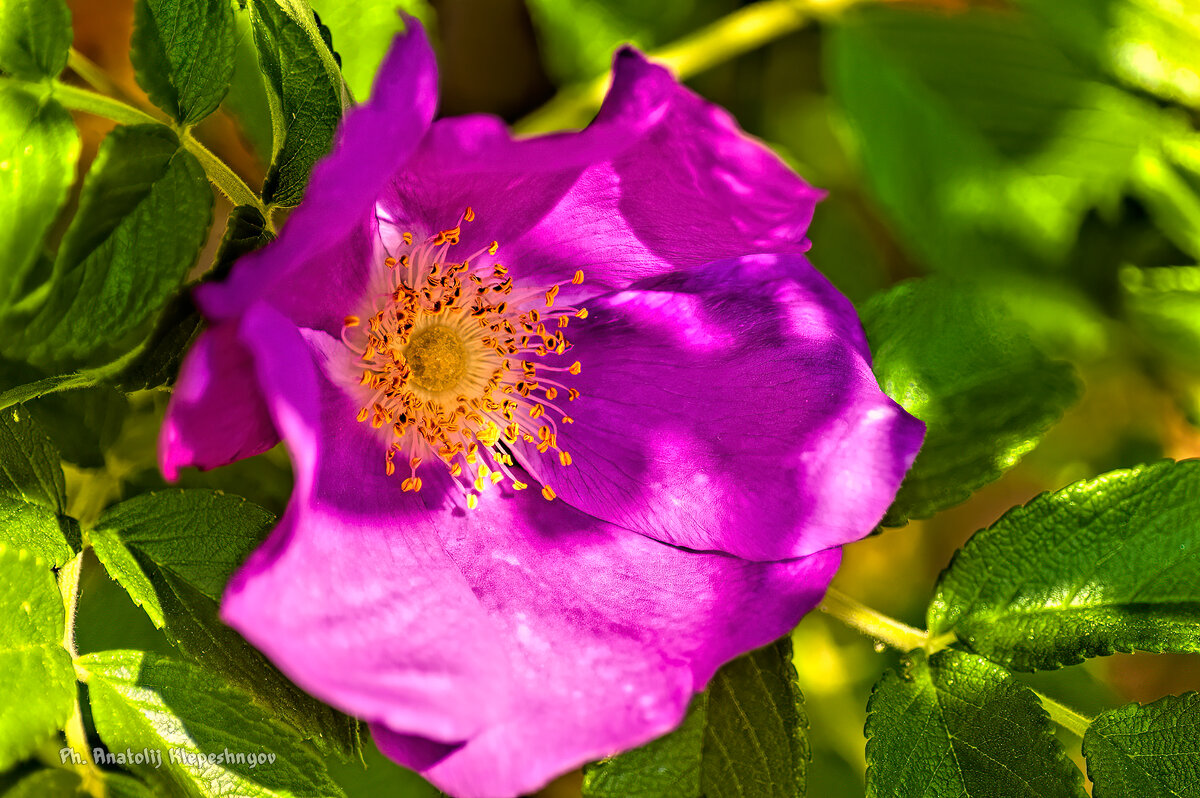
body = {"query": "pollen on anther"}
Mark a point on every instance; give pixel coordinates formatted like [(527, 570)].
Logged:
[(578, 278), (351, 321), (549, 493)]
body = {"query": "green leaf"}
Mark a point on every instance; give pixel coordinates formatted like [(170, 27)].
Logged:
[(363, 30), (39, 147), (1167, 181), (307, 91), (37, 683), (958, 726), (953, 356), (33, 491), (1103, 565), (29, 463), (1149, 44), (142, 700), (745, 736), (183, 54), (173, 552), (37, 530), (35, 36), (985, 144), (201, 536), (143, 215), (1148, 751), (1164, 305)]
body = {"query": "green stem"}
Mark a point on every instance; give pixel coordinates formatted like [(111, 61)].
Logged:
[(729, 37), (860, 617), (219, 174), (68, 586), (88, 101), (872, 623), (224, 178), (93, 75), (1064, 716)]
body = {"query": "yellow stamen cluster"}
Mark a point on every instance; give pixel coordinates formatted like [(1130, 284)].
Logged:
[(447, 358)]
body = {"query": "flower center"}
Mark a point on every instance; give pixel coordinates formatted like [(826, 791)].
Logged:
[(450, 355), (436, 358)]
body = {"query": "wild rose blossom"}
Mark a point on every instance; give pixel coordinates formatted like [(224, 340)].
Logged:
[(573, 423)]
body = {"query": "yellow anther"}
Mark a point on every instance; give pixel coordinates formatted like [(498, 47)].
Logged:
[(578, 278), (581, 313), (362, 414), (549, 493), (519, 486), (472, 501), (351, 321), (564, 458), (575, 367), (470, 214)]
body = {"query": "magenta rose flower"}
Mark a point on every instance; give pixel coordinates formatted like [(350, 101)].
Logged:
[(573, 422)]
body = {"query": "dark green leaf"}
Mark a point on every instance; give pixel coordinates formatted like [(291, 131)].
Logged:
[(35, 36), (143, 700), (173, 552), (37, 683), (38, 150), (1107, 564), (984, 143), (183, 54), (953, 357), (143, 216), (202, 536), (1148, 751), (958, 726), (29, 463), (1149, 44), (51, 782), (308, 91), (668, 767), (745, 736), (245, 231)]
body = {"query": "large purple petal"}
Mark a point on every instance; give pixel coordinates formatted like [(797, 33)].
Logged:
[(318, 269), (731, 408), (609, 634), (495, 648), (353, 595), (216, 414), (662, 180)]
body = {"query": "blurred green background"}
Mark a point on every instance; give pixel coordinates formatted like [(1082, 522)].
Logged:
[(1041, 156)]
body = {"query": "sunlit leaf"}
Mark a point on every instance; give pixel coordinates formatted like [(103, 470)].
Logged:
[(955, 358), (37, 683), (144, 701), (1104, 565)]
